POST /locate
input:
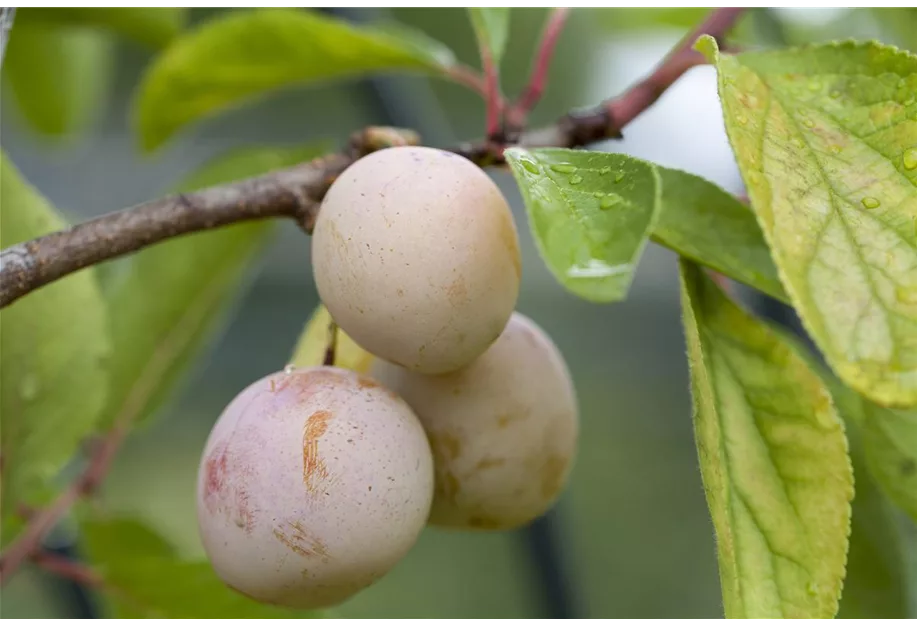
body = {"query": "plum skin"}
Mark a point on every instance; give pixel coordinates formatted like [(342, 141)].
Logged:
[(416, 255), (312, 485), (504, 429)]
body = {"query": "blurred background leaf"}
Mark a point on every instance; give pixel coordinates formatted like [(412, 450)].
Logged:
[(491, 27), (153, 27), (169, 300), (55, 344)]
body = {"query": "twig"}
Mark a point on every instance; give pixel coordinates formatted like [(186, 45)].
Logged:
[(516, 115), (296, 192), (68, 569), (331, 344)]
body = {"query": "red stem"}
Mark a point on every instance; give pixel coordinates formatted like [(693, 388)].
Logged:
[(538, 80), (492, 95), (68, 569)]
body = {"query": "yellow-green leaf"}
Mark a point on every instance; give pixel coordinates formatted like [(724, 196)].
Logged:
[(310, 349), (59, 77), (169, 300), (705, 223), (244, 54), (590, 214), (773, 458), (53, 380), (826, 139)]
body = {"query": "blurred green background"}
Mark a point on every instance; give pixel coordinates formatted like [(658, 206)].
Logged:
[(634, 532)]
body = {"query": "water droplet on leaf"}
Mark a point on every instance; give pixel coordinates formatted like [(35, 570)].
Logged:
[(29, 387), (563, 168), (741, 119), (910, 159), (596, 269), (604, 170), (598, 194), (576, 179), (619, 177), (808, 123), (870, 203), (798, 142), (610, 201), (531, 166)]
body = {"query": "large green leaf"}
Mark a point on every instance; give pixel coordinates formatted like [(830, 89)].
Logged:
[(773, 458), (53, 347), (58, 76), (890, 444), (704, 223), (153, 27), (171, 298), (242, 55), (826, 139), (491, 27), (590, 214), (143, 577)]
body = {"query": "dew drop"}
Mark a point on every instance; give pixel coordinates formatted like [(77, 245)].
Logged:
[(870, 203), (289, 368), (741, 119), (619, 177), (604, 170), (910, 159), (798, 142), (29, 387), (812, 588), (609, 201), (529, 165), (906, 295), (836, 149), (596, 269), (808, 123), (563, 168), (598, 194), (576, 179)]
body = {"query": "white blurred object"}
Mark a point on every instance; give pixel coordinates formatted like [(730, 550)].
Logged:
[(7, 14)]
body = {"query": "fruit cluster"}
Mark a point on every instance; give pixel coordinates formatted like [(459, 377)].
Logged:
[(316, 481)]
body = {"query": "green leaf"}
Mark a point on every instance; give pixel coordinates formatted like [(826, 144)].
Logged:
[(154, 27), (876, 585), (172, 298), (890, 444), (143, 577), (826, 139), (491, 27), (242, 55), (590, 214), (59, 77), (53, 380), (773, 459), (704, 223)]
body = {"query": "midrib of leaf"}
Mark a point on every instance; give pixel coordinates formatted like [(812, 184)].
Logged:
[(836, 199), (733, 487), (170, 347)]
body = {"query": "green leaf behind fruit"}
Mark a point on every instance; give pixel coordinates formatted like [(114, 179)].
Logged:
[(169, 300), (590, 214), (55, 342), (245, 54), (154, 27), (143, 577), (774, 462), (826, 139)]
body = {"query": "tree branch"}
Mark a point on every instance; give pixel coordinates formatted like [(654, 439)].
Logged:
[(517, 114), (68, 569), (297, 192)]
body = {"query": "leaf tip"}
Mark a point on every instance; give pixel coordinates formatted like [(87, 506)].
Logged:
[(708, 47)]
